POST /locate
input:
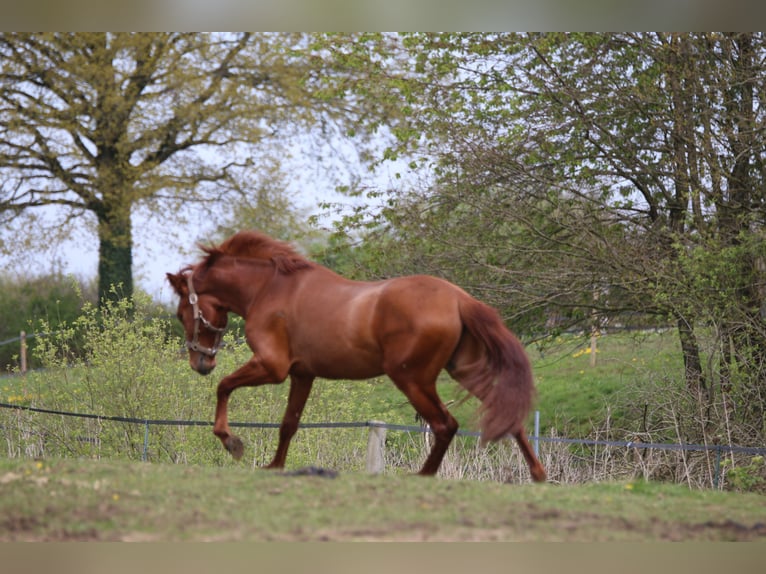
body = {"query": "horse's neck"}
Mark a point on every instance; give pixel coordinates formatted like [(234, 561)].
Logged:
[(238, 284)]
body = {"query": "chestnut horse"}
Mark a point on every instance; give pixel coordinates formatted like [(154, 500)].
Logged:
[(305, 321)]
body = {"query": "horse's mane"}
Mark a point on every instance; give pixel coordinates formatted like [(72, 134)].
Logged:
[(255, 245)]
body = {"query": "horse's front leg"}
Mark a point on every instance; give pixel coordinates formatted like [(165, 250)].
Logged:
[(252, 374), (300, 387)]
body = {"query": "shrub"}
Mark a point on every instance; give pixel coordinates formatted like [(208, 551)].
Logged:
[(748, 477), (54, 299)]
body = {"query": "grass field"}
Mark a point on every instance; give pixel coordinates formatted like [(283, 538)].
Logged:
[(87, 492), (574, 397), (85, 500)]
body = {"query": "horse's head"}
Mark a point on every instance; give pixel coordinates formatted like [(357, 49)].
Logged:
[(204, 320)]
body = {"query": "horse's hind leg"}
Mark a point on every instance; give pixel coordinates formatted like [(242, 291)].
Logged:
[(461, 366), (443, 425), (300, 388), (535, 467)]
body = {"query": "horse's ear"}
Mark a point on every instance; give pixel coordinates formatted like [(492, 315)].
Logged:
[(178, 282)]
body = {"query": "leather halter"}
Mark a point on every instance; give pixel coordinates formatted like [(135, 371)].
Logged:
[(194, 345)]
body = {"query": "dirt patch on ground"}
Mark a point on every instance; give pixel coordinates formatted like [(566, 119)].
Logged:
[(584, 528), (17, 528), (526, 524), (553, 526), (730, 530)]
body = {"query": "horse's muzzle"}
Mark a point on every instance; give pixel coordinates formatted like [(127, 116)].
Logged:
[(204, 365)]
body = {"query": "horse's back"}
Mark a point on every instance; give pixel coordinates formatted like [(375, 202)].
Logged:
[(420, 297), (353, 329)]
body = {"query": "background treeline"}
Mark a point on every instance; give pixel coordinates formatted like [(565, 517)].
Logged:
[(573, 179)]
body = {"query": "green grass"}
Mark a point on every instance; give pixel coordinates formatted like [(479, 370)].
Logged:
[(71, 499), (575, 398)]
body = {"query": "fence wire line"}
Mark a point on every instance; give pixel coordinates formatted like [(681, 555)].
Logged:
[(27, 336), (397, 427)]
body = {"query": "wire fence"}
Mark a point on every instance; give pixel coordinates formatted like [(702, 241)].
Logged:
[(24, 336), (550, 455)]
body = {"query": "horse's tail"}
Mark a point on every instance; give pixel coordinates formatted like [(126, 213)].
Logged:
[(495, 368)]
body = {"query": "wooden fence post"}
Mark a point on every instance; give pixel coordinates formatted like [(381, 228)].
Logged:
[(23, 355), (594, 330), (376, 446), (537, 434)]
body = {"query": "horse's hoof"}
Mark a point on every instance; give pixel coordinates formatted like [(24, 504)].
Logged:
[(235, 447), (539, 476), (538, 473)]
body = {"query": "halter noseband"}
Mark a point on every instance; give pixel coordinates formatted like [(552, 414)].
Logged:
[(194, 345)]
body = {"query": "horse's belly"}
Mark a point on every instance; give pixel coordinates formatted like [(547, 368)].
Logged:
[(349, 369), (328, 365)]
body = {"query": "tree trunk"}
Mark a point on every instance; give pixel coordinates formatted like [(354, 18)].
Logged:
[(738, 225), (115, 254), (695, 380)]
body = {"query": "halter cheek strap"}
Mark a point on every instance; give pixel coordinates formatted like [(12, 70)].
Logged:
[(194, 345)]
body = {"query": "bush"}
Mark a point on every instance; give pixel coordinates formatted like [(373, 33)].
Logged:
[(54, 299), (119, 360), (749, 477)]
